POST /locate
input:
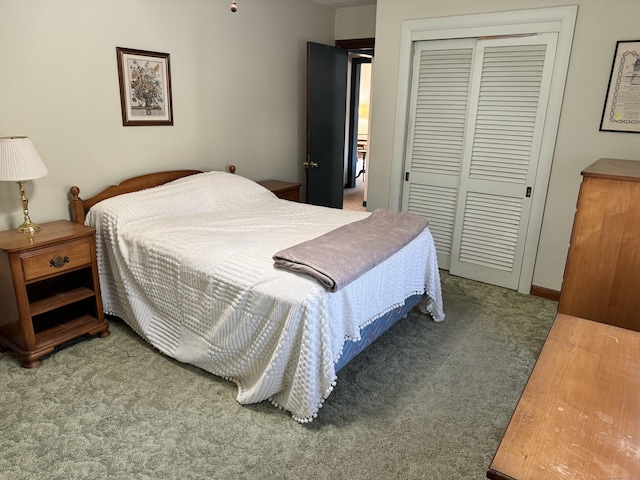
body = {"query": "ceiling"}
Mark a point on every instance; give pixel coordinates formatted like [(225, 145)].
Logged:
[(344, 3)]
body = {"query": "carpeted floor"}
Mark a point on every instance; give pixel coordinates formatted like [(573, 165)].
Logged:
[(425, 401)]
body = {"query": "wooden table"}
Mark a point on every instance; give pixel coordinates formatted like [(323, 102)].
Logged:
[(579, 415)]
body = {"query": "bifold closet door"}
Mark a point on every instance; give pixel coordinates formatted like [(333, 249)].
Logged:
[(479, 207), (437, 119)]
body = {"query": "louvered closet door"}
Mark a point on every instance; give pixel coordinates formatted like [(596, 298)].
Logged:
[(438, 115), (508, 100)]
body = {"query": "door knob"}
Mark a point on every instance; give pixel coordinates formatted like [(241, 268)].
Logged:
[(308, 164)]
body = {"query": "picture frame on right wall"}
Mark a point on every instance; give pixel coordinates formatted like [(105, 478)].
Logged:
[(622, 104)]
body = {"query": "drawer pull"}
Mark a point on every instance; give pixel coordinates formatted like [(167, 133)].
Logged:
[(59, 262)]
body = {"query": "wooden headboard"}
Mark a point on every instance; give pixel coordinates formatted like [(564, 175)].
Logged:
[(79, 207)]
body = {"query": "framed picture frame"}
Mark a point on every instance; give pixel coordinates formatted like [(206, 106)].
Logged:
[(145, 87), (622, 104)]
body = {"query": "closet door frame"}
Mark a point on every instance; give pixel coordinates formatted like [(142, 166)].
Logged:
[(555, 19)]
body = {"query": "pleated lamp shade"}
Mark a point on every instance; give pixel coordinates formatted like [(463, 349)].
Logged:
[(19, 160)]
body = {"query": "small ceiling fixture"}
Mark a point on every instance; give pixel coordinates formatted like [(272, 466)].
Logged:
[(234, 7)]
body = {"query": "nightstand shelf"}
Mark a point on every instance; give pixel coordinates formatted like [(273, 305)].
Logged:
[(50, 336), (59, 300), (49, 289)]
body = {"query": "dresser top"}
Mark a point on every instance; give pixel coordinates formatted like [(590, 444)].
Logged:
[(613, 168), (573, 424)]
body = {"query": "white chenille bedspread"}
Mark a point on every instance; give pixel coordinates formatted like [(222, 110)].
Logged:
[(189, 266)]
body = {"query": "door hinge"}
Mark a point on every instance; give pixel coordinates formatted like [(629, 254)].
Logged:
[(406, 176)]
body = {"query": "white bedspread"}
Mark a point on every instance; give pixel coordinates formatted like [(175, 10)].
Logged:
[(189, 267)]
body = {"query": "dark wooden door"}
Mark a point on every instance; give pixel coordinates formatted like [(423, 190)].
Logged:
[(326, 117)]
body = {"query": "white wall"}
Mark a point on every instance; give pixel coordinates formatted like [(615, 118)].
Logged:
[(599, 25), (239, 93), (239, 86), (355, 22)]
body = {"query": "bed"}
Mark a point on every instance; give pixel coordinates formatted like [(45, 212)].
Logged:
[(186, 259)]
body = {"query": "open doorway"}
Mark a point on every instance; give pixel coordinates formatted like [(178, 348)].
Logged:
[(332, 122), (355, 188), (357, 134)]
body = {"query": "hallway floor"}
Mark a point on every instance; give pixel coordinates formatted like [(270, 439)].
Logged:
[(353, 197)]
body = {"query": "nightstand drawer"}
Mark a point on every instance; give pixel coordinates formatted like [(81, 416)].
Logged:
[(283, 190), (293, 195), (54, 260)]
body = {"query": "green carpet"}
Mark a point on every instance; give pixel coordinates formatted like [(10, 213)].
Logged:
[(426, 401)]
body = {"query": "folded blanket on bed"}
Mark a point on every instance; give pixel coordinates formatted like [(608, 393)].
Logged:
[(340, 256)]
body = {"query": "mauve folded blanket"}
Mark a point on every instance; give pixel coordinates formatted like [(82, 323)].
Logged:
[(340, 256)]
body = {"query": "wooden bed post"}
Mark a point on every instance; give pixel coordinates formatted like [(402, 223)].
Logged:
[(76, 206)]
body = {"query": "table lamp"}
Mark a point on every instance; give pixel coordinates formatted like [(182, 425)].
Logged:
[(19, 161)]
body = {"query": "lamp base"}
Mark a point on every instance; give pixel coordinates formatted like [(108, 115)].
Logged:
[(28, 227)]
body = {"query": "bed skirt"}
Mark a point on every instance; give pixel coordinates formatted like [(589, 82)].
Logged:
[(374, 330)]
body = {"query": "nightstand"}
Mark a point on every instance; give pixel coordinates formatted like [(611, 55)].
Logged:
[(284, 190), (49, 289)]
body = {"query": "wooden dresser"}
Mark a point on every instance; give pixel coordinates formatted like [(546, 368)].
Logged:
[(602, 273), (578, 415)]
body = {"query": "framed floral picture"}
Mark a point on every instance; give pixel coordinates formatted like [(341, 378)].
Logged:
[(145, 87)]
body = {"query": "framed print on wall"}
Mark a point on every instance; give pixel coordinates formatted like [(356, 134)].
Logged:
[(622, 104), (145, 87)]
